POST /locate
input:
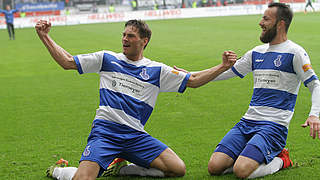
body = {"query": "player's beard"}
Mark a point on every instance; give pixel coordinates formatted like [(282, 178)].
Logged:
[(269, 35)]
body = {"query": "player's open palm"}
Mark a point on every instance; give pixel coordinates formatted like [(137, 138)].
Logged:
[(43, 27), (314, 124)]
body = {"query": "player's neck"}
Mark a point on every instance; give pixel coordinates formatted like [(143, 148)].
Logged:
[(280, 38), (135, 57)]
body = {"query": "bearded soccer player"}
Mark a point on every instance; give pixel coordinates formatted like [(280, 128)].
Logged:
[(254, 147), (129, 86)]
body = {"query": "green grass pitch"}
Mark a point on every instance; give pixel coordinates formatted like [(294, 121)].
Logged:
[(46, 112)]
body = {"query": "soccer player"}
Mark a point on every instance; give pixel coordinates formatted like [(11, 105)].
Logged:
[(129, 86), (8, 13), (254, 147), (309, 3)]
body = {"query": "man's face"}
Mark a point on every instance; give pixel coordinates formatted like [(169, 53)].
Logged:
[(8, 7), (132, 44), (268, 24)]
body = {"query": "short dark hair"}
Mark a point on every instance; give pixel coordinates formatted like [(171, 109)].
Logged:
[(143, 29), (284, 13)]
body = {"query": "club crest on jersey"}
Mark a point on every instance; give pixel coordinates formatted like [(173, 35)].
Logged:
[(86, 152), (277, 62), (144, 74)]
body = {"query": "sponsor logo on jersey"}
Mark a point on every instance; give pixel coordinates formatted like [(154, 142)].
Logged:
[(113, 83), (86, 152), (144, 74), (175, 72), (259, 60), (277, 62), (266, 79), (306, 67)]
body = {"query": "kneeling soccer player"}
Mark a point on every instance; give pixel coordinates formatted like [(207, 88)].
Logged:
[(129, 86)]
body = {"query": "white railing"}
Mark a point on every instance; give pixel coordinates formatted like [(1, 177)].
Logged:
[(149, 15)]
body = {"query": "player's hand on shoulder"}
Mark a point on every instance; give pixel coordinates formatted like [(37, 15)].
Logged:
[(229, 58), (314, 123), (43, 27), (180, 69)]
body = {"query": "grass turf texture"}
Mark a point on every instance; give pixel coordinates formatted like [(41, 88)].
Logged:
[(46, 112)]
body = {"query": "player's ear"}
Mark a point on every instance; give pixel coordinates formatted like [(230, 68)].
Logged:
[(145, 41), (281, 25)]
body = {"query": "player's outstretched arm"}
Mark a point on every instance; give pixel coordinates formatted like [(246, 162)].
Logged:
[(61, 56), (313, 119), (200, 78)]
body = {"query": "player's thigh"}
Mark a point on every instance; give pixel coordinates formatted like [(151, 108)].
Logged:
[(141, 149), (227, 151), (170, 163), (147, 151), (88, 170), (232, 143), (251, 157), (101, 151), (268, 143), (104, 143)]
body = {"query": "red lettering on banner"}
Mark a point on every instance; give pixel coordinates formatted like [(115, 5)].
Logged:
[(115, 16), (171, 12), (92, 16), (58, 19), (150, 13), (166, 13), (50, 19), (109, 16)]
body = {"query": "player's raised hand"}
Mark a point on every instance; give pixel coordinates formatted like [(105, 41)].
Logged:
[(314, 123), (229, 58), (43, 27)]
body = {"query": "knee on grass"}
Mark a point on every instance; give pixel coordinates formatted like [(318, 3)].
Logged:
[(215, 168), (241, 171), (179, 170)]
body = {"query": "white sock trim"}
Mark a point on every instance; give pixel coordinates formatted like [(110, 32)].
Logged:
[(265, 169), (65, 173)]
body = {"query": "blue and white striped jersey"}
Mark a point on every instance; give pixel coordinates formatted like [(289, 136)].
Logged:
[(277, 72), (129, 89)]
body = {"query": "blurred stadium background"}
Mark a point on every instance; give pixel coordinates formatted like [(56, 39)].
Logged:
[(66, 12)]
